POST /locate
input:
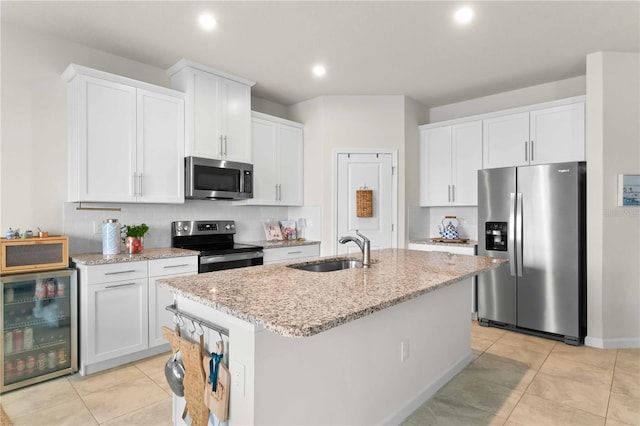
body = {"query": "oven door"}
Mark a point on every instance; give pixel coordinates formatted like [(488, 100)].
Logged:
[(212, 263)]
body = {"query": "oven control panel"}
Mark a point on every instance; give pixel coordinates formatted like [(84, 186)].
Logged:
[(202, 227)]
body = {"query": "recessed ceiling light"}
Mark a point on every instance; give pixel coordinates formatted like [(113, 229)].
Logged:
[(207, 21), (319, 70), (464, 15)]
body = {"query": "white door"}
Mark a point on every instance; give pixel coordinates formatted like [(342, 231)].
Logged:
[(557, 134), (466, 161), (435, 162), (107, 140), (236, 120), (506, 141), (375, 171), (160, 148), (206, 140), (290, 158)]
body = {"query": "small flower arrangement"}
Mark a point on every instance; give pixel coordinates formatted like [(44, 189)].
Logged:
[(133, 241)]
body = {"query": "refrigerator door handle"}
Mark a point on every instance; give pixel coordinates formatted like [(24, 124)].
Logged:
[(511, 234), (519, 232)]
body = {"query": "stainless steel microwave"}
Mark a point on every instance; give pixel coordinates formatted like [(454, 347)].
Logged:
[(207, 179)]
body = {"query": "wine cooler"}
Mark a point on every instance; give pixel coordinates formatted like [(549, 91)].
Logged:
[(39, 325)]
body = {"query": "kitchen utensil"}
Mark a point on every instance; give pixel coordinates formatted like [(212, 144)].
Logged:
[(448, 231), (174, 368), (217, 400), (174, 373), (194, 381)]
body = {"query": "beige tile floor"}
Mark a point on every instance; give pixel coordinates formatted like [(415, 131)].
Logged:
[(514, 380)]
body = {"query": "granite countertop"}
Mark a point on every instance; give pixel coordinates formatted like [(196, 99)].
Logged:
[(279, 244), (298, 303), (147, 254), (428, 241)]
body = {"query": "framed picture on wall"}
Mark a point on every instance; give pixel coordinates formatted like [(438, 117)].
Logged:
[(629, 190)]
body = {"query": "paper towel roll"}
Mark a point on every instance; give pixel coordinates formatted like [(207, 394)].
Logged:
[(110, 236)]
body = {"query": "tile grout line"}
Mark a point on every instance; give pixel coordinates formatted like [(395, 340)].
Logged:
[(82, 400), (613, 377)]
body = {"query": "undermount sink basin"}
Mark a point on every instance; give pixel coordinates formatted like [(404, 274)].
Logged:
[(327, 265)]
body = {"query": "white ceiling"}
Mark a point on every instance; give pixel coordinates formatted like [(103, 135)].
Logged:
[(369, 48)]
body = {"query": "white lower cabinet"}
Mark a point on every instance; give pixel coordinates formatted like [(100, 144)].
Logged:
[(286, 254), (122, 311), (160, 298)]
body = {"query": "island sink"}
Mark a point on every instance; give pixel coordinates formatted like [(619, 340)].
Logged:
[(327, 265)]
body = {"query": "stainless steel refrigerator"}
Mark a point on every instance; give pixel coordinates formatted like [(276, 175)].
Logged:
[(534, 216)]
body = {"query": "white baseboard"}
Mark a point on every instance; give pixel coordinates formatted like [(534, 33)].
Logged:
[(399, 416), (597, 342)]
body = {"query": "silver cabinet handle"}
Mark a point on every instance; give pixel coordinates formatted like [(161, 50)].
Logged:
[(120, 285), (120, 272), (225, 146), (449, 193), (453, 193), (526, 151), (294, 252), (519, 233), (176, 266), (511, 238), (134, 180), (531, 156), (140, 185), (221, 145)]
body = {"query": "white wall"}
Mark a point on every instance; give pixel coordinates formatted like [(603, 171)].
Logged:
[(515, 98), (331, 122), (34, 149), (613, 147)]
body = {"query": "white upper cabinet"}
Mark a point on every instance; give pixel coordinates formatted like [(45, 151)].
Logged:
[(126, 139), (218, 112), (542, 135), (450, 157), (506, 141), (278, 148), (160, 143), (557, 134)]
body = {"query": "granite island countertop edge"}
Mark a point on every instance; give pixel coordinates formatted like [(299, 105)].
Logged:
[(233, 298)]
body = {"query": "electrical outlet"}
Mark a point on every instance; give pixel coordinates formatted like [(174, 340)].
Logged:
[(404, 350), (97, 227), (237, 376)]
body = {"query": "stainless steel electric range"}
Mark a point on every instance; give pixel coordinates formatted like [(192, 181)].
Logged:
[(214, 239)]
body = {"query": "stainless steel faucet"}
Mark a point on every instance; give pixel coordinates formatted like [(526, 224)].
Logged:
[(364, 244)]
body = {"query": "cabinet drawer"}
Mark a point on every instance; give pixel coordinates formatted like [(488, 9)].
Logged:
[(173, 266), (285, 254), (448, 249), (100, 274)]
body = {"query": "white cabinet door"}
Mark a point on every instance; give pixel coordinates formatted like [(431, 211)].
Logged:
[(236, 120), (466, 161), (506, 141), (435, 166), (558, 134), (160, 298), (278, 161), (117, 320), (160, 148), (290, 165), (265, 176), (105, 141), (204, 137), (218, 115)]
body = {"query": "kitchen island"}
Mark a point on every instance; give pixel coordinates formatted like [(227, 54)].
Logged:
[(355, 346)]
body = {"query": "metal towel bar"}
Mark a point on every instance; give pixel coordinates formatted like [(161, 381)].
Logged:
[(204, 323)]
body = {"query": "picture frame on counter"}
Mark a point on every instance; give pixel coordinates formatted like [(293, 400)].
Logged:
[(288, 228), (272, 231), (629, 190)]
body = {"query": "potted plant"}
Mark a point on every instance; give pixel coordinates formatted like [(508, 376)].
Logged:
[(134, 237)]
